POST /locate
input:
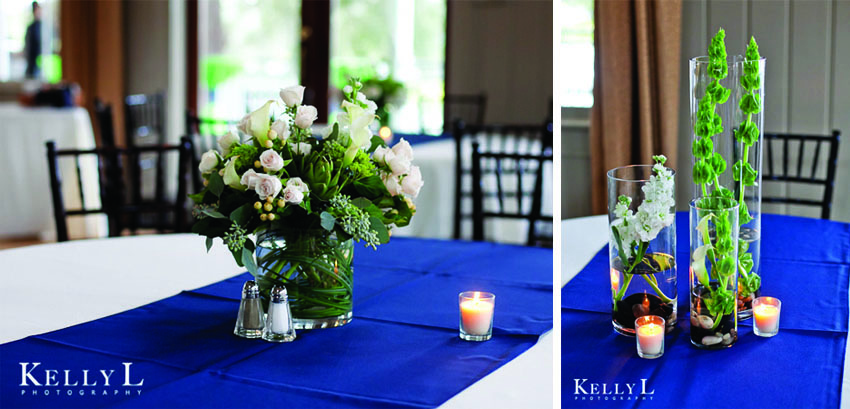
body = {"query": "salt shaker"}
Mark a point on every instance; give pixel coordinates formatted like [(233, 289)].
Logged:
[(249, 322), (279, 326)]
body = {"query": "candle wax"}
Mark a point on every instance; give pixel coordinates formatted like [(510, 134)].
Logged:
[(476, 316), (767, 318), (651, 338)]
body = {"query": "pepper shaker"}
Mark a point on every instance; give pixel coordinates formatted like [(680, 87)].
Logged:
[(279, 326), (249, 322)]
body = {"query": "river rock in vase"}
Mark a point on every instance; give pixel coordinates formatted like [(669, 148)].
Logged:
[(642, 244), (708, 331)]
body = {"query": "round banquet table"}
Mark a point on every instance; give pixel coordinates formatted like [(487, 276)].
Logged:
[(583, 237), (48, 287)]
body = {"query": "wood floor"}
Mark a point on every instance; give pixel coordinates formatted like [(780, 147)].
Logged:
[(19, 242)]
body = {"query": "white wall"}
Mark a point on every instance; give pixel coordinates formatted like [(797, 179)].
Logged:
[(807, 47), (504, 49)]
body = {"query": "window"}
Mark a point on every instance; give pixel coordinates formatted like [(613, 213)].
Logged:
[(577, 54), (15, 19), (247, 51), (396, 48)]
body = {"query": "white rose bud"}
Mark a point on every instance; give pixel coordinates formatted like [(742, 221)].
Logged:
[(302, 148), (244, 124), (383, 154), (392, 185), (292, 195), (267, 186), (297, 183), (347, 89), (399, 165), (271, 161), (227, 141), (412, 182), (281, 128), (250, 179), (305, 116), (293, 95), (403, 149), (209, 160)]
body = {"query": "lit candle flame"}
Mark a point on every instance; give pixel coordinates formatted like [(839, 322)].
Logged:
[(385, 133), (615, 279)]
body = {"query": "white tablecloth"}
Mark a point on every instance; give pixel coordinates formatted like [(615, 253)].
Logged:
[(25, 203), (435, 205), (86, 280), (584, 236)]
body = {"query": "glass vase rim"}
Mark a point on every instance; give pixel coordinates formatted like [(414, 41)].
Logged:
[(732, 206), (482, 295), (611, 176), (730, 59)]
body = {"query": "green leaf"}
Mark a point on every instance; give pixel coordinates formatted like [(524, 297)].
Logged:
[(743, 214), (198, 198), (371, 187), (328, 221), (216, 185), (378, 227), (211, 227), (209, 243), (213, 213), (750, 104), (745, 262), (726, 266), (376, 143), (248, 261), (242, 215), (361, 202)]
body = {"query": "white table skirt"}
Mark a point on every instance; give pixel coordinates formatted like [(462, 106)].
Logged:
[(26, 206), (584, 236), (86, 280)]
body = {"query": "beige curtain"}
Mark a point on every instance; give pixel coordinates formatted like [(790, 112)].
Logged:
[(636, 87)]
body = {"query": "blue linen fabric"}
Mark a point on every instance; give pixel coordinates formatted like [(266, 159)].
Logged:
[(805, 263), (401, 350)]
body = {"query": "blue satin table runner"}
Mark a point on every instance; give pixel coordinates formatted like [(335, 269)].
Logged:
[(401, 350), (805, 263)]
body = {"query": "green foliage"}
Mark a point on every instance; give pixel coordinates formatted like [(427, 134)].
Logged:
[(247, 155), (722, 302), (744, 172), (750, 104), (362, 166), (703, 172), (718, 164), (717, 67), (747, 133), (702, 147)]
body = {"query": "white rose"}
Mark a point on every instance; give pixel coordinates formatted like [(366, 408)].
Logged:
[(403, 149), (281, 129), (297, 183), (383, 154), (293, 95), (412, 182), (271, 161), (392, 185), (267, 186), (209, 160), (305, 116), (250, 179), (399, 165), (302, 148), (227, 141), (292, 195)]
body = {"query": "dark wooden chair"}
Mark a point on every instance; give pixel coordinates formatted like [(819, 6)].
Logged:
[(515, 192), (103, 119), (204, 133), (120, 202), (144, 117), (469, 108), (512, 139), (820, 173)]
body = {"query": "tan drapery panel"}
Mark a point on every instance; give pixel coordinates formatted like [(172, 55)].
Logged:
[(636, 87), (92, 34)]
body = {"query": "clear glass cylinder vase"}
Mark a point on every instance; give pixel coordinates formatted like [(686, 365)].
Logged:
[(712, 275), (743, 156), (315, 268), (642, 250)]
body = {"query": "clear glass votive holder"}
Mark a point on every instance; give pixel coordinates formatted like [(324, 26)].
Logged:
[(476, 315), (766, 316), (649, 330)]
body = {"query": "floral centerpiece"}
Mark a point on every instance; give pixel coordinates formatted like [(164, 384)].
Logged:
[(305, 199), (642, 243)]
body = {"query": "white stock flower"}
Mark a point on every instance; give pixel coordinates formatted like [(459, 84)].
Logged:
[(293, 195), (297, 183), (281, 129), (305, 116), (383, 154), (412, 182), (226, 141), (293, 95), (271, 161), (392, 185), (209, 160), (347, 89), (302, 148), (250, 179), (371, 106), (267, 185)]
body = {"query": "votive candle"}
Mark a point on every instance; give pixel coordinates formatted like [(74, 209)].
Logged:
[(649, 330), (766, 316), (476, 315)]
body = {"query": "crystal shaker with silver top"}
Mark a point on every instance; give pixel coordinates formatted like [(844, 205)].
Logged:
[(279, 326), (249, 322)]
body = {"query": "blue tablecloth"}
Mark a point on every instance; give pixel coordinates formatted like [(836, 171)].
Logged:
[(401, 350), (805, 263)]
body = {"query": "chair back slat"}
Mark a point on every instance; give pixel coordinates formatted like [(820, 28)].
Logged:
[(814, 178)]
